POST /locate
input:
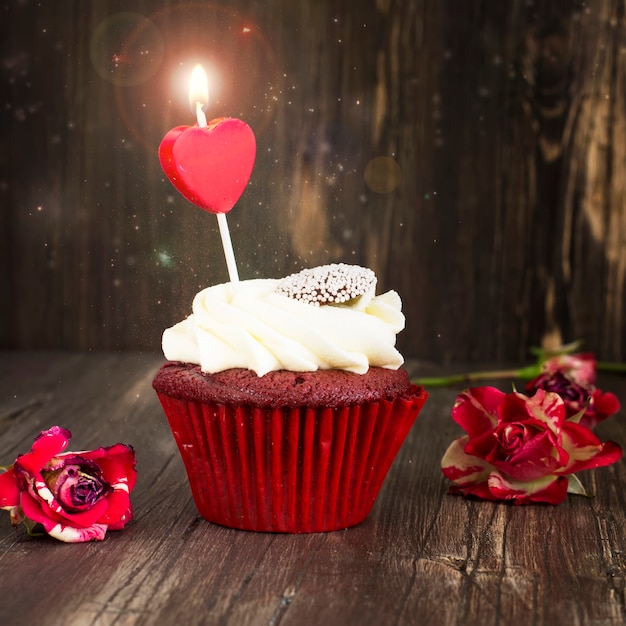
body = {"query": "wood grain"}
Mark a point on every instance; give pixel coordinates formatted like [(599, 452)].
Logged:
[(422, 556), (506, 121)]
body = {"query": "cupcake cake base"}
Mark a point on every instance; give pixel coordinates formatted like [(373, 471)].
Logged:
[(293, 452)]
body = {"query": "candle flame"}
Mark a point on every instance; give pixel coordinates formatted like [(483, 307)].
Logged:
[(198, 88)]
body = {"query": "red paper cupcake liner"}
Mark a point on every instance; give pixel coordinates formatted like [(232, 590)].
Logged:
[(292, 470)]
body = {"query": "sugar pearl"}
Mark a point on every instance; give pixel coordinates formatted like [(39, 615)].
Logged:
[(328, 284)]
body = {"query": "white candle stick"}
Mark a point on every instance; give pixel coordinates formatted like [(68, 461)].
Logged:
[(227, 244), (228, 248)]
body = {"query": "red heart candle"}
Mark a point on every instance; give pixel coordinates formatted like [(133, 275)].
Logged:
[(210, 165)]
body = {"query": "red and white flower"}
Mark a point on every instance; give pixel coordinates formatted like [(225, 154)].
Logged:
[(519, 448), (75, 496)]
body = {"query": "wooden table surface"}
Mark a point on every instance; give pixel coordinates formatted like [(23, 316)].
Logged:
[(422, 556)]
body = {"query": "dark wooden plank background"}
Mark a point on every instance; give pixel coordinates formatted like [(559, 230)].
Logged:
[(506, 121), (421, 557)]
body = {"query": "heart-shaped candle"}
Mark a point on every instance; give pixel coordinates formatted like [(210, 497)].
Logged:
[(210, 165)]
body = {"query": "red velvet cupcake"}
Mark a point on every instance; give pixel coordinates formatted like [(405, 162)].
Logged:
[(300, 448)]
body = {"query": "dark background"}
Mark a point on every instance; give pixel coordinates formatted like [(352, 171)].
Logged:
[(497, 211)]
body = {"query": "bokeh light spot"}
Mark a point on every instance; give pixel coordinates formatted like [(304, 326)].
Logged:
[(382, 174), (164, 258), (126, 49)]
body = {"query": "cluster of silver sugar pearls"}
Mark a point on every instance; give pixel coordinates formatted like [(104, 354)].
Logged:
[(336, 283)]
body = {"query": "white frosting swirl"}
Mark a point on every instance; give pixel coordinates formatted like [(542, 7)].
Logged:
[(247, 324)]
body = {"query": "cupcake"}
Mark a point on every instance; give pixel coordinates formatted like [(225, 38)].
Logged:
[(287, 399)]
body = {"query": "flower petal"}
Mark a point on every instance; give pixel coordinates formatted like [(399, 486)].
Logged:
[(605, 402), (549, 489), (32, 510), (461, 468), (9, 491), (601, 406), (545, 407), (47, 511), (120, 511), (477, 490), (117, 464), (69, 534), (47, 444), (476, 409), (585, 450)]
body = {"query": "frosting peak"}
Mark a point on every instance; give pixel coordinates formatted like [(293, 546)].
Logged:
[(250, 324)]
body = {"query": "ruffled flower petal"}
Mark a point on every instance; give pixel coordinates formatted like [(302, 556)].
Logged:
[(69, 534), (476, 409), (461, 468), (585, 450), (117, 464), (549, 489), (547, 408), (120, 511), (9, 491), (47, 444)]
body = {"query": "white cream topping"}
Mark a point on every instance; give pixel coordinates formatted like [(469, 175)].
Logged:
[(248, 324)]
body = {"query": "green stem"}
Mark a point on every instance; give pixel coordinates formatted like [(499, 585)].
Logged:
[(525, 373), (605, 366)]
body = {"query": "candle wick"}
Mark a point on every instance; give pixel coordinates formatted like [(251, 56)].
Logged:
[(200, 116)]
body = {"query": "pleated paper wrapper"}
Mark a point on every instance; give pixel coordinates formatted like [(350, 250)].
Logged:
[(291, 470)]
